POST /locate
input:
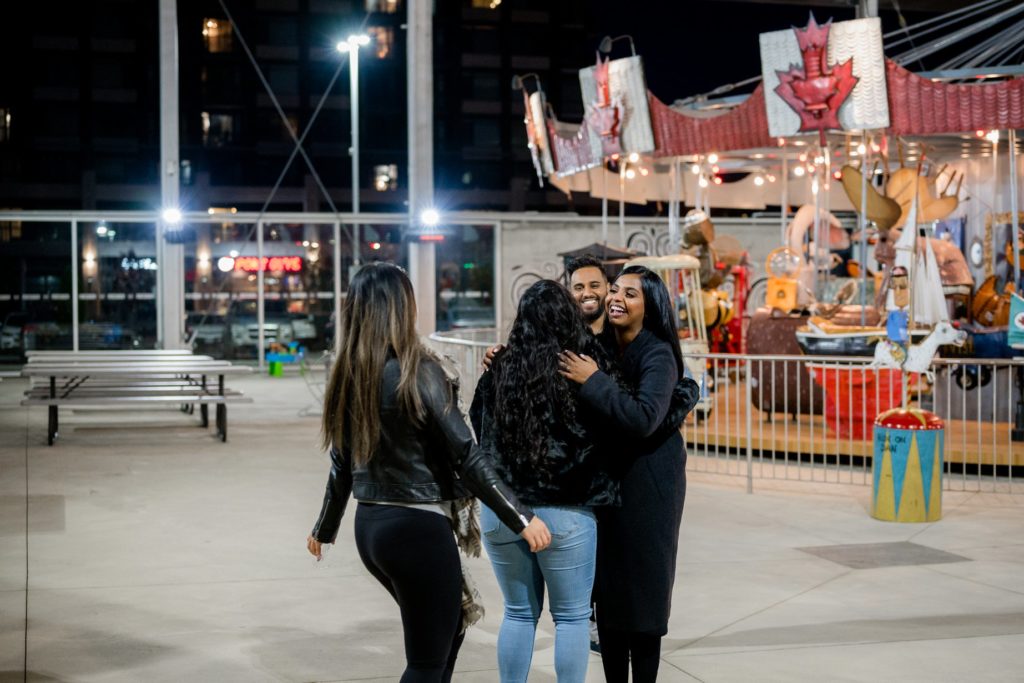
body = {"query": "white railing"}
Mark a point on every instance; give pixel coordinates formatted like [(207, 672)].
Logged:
[(810, 418), (467, 348)]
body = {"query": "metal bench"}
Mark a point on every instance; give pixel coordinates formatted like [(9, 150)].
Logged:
[(130, 378)]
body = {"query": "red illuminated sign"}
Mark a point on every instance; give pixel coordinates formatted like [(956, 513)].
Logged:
[(251, 264)]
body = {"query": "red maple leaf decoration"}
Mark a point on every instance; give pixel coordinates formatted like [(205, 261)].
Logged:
[(816, 91)]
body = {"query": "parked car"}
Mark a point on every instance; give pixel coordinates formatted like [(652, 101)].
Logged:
[(207, 329), (276, 329), (25, 330), (11, 331), (93, 336), (469, 313)]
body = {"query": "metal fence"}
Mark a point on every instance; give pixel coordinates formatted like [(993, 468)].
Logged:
[(810, 418)]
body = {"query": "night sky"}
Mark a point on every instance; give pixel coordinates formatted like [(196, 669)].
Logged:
[(691, 47)]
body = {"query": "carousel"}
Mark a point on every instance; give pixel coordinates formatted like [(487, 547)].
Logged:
[(899, 234)]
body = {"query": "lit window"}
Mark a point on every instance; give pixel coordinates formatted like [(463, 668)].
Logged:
[(218, 129), (218, 35), (5, 124), (383, 40), (385, 178), (486, 4), (382, 6)]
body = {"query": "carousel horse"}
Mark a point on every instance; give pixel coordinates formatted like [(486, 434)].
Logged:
[(917, 358)]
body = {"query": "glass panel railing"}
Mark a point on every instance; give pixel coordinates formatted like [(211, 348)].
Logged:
[(117, 280), (35, 288)]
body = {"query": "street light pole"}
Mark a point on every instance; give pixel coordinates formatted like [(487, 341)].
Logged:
[(351, 46), (353, 66)]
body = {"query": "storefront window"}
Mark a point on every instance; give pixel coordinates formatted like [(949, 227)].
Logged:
[(117, 279)]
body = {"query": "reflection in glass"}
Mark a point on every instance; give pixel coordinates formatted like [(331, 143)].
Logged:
[(218, 35), (465, 278), (35, 288), (117, 286)]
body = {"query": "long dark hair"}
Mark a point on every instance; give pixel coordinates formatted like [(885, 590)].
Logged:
[(530, 393), (378, 320), (659, 310)]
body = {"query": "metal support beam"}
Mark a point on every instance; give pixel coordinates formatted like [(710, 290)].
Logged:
[(170, 257), (261, 352), (420, 108), (74, 285), (337, 285), (353, 82)]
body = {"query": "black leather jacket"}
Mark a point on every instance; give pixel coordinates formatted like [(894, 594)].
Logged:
[(575, 469), (427, 463)]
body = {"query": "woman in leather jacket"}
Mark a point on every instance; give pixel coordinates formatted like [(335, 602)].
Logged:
[(526, 414), (400, 446)]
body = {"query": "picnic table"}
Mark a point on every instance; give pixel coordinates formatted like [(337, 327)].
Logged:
[(131, 378)]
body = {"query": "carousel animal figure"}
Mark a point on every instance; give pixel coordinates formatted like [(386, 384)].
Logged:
[(917, 358)]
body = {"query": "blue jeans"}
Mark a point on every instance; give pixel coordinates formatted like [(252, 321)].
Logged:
[(567, 567)]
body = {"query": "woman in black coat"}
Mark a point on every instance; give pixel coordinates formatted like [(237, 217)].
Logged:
[(637, 542)]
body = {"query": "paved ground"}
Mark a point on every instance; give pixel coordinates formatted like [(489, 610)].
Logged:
[(141, 549)]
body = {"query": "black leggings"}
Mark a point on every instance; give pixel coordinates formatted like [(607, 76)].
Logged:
[(414, 556), (620, 648)]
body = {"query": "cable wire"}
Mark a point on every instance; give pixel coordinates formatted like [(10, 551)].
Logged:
[(956, 36), (297, 149), (947, 20)]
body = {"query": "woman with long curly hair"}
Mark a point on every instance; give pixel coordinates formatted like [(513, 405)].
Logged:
[(527, 416), (400, 446), (638, 541)]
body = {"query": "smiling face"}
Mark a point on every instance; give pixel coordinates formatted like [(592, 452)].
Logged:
[(589, 287), (625, 302)]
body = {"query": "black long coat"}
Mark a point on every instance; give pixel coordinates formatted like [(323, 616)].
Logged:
[(637, 542)]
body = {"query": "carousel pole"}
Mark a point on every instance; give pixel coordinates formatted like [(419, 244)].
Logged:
[(863, 221), (816, 258), (622, 203), (1014, 218), (604, 205), (784, 213), (826, 187), (673, 209), (1017, 434), (910, 308)]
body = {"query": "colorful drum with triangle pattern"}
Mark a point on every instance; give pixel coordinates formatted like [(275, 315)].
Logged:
[(907, 466)]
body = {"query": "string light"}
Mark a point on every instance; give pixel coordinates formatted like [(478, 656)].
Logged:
[(712, 158), (758, 180), (798, 171)]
